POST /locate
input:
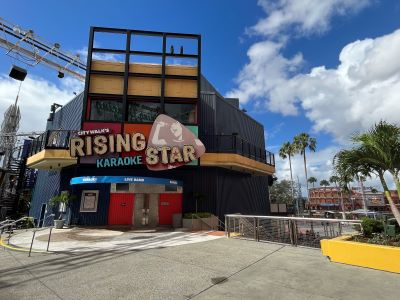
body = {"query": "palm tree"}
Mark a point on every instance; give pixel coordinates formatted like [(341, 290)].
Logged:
[(380, 149), (287, 151), (384, 141), (364, 160), (312, 180), (324, 183), (335, 180), (302, 142)]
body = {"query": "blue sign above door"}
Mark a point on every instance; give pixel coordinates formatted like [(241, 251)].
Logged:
[(124, 179)]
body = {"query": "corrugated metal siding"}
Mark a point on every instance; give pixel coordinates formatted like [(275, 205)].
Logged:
[(69, 116), (48, 182), (218, 116), (47, 185)]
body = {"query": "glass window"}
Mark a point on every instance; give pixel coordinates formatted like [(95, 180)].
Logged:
[(122, 187), (105, 110), (184, 113), (143, 112)]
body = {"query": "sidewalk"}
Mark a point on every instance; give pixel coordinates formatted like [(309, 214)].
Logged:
[(215, 269), (103, 239)]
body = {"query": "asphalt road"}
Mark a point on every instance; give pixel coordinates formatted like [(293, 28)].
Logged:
[(217, 269)]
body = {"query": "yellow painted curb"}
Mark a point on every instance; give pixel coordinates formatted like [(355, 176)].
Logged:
[(3, 244), (379, 257)]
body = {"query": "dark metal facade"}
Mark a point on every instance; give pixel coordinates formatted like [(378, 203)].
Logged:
[(223, 191)]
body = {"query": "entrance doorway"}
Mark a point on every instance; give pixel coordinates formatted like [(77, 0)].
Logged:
[(121, 208), (146, 210), (42, 214)]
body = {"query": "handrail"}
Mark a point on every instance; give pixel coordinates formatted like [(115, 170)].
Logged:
[(13, 222), (295, 218), (33, 238)]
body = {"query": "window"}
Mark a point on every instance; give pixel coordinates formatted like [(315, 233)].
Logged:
[(105, 110), (89, 201), (184, 113), (122, 187), (143, 112)]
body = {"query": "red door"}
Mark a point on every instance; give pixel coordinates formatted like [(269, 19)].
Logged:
[(168, 205), (121, 209)]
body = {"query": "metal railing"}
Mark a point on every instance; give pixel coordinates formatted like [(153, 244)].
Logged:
[(10, 224), (295, 231), (225, 143), (33, 238), (51, 139)]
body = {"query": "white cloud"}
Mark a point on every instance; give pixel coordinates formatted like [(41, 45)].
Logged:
[(35, 99), (361, 91), (267, 68), (303, 16)]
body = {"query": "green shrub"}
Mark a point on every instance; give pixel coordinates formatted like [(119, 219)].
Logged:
[(371, 226), (199, 215)]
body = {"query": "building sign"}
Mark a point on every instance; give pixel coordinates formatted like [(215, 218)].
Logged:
[(375, 200), (169, 145), (89, 201), (124, 179)]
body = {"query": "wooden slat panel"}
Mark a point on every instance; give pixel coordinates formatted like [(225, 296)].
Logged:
[(141, 86), (180, 88), (105, 84)]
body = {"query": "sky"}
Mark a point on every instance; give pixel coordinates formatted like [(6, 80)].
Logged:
[(328, 68)]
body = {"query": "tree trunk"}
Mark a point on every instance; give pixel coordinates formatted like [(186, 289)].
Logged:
[(363, 193), (393, 207), (341, 200), (305, 171), (291, 185)]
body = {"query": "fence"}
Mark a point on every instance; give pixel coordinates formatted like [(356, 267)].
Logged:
[(296, 231)]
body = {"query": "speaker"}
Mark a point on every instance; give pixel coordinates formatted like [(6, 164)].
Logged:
[(18, 73)]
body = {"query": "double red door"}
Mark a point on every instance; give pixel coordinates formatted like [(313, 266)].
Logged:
[(120, 211), (169, 204)]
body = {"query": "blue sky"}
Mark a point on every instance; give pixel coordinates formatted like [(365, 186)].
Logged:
[(280, 57)]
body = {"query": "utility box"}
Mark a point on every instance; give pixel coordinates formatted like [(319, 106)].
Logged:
[(177, 220)]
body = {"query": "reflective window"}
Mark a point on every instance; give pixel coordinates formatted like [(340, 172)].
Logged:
[(105, 110), (184, 113), (143, 112)]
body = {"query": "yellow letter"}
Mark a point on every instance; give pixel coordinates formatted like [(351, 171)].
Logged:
[(188, 153), (138, 142), (151, 156), (100, 147), (76, 147), (175, 155)]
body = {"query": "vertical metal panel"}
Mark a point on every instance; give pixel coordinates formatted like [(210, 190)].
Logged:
[(48, 182), (221, 117)]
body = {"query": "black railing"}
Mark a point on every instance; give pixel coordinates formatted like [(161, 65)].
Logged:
[(223, 143), (59, 139), (51, 139)]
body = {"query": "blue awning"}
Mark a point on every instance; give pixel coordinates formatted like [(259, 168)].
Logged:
[(124, 179)]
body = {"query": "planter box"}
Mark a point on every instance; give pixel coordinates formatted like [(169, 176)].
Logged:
[(59, 224), (210, 223), (341, 250)]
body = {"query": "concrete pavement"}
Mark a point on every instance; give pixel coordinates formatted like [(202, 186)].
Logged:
[(215, 269)]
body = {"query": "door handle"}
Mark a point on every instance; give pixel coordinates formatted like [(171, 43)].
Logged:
[(123, 204)]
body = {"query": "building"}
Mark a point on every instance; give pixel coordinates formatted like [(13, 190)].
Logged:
[(329, 199), (102, 148)]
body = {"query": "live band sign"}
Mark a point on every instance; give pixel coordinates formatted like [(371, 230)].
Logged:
[(169, 145)]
